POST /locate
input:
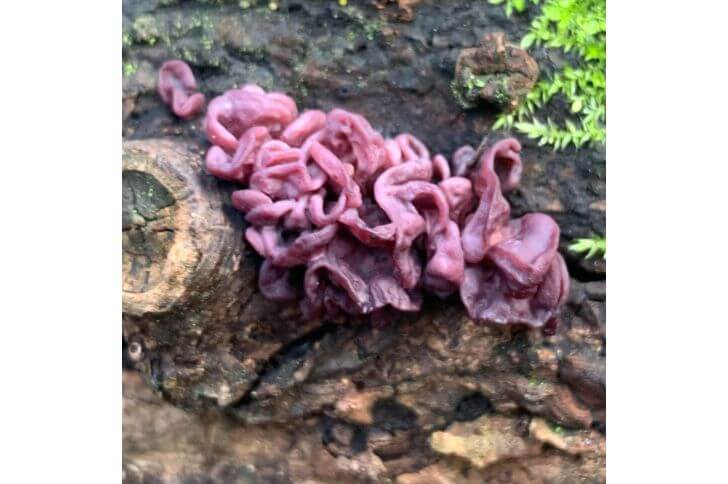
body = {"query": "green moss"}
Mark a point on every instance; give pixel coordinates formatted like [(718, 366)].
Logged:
[(473, 82), (146, 29), (502, 97), (129, 68), (177, 23), (534, 381), (206, 43), (189, 56), (372, 29), (255, 54), (466, 92), (459, 96)]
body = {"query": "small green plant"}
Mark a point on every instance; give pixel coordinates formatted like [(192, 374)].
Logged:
[(511, 5), (579, 27), (591, 247)]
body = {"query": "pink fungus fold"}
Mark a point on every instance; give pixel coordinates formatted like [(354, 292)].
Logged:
[(231, 114), (177, 88)]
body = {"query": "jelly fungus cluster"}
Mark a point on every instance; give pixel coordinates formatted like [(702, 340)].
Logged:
[(351, 222)]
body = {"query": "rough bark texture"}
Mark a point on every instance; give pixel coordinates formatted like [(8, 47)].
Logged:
[(249, 391)]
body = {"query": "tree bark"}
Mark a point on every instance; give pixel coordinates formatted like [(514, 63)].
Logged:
[(181, 250)]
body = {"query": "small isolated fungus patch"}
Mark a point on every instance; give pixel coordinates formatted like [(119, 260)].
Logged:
[(351, 222), (177, 88)]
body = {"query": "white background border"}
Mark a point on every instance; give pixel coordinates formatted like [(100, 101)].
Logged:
[(60, 244), (60, 196)]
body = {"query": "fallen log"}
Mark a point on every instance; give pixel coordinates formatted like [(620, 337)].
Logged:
[(229, 387)]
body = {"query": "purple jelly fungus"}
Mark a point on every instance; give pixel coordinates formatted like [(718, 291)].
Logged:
[(177, 88), (351, 222)]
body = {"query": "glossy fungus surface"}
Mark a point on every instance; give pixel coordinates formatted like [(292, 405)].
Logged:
[(351, 222), (177, 88)]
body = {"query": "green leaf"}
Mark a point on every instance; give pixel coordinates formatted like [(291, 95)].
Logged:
[(590, 247), (527, 41), (551, 12)]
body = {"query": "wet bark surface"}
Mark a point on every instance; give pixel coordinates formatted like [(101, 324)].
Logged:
[(229, 387)]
